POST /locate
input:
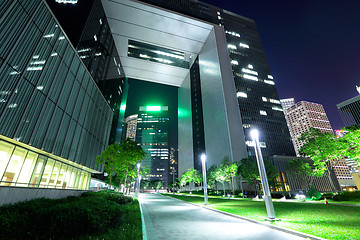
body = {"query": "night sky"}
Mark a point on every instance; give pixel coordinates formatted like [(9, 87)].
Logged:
[(313, 47)]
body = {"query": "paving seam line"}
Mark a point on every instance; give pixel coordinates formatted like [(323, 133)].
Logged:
[(148, 230), (300, 234)]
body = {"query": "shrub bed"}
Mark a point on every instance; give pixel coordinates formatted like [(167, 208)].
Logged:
[(91, 213), (347, 196)]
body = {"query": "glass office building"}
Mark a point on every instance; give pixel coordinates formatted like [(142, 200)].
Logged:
[(54, 120), (152, 134)]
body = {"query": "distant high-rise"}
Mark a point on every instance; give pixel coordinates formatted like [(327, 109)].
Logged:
[(304, 115), (130, 126), (287, 103), (349, 111), (152, 134)]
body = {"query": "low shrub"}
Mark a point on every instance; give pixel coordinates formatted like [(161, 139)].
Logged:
[(347, 196), (63, 218)]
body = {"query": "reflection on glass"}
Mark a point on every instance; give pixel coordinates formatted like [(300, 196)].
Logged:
[(60, 180), (27, 169), (39, 168), (55, 174), (47, 173), (12, 171), (5, 153)]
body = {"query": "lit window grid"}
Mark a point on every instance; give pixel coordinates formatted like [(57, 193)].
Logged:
[(24, 168)]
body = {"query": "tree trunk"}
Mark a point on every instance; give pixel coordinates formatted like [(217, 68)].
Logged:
[(241, 186), (232, 185), (125, 182), (223, 183)]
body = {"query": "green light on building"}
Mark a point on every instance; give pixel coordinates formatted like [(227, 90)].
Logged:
[(153, 108)]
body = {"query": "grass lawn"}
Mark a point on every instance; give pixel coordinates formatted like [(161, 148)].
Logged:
[(326, 221)]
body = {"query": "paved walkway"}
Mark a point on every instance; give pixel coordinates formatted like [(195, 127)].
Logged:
[(167, 218)]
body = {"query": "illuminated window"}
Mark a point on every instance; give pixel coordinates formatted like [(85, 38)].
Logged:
[(250, 66), (277, 109), (232, 46), (250, 77), (243, 45), (262, 112), (270, 77), (264, 99), (241, 94), (234, 62), (269, 82), (249, 71)]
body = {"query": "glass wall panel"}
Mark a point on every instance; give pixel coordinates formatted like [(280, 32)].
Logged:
[(66, 90), (14, 166), (61, 134), (6, 149), (78, 177), (30, 117), (9, 79), (72, 178), (4, 6), (29, 6), (67, 176), (26, 46), (42, 18), (39, 169), (55, 174), (49, 72), (60, 181), (27, 169), (72, 99), (47, 173), (16, 108), (52, 33), (12, 26), (52, 130)]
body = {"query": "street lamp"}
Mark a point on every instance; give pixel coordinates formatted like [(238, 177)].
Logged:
[(137, 180), (264, 182), (203, 159)]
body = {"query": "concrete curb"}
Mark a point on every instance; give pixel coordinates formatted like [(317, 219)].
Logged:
[(300, 234)]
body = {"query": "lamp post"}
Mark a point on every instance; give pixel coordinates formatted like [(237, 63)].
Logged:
[(264, 182), (203, 159), (138, 180)]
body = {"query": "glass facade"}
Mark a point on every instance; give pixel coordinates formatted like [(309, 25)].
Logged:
[(98, 52), (258, 99), (48, 100), (349, 111), (22, 167), (152, 135)]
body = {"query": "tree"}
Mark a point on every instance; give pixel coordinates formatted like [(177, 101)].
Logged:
[(109, 159), (322, 148), (191, 175), (131, 154), (230, 170), (211, 176), (156, 184), (349, 144), (249, 170)]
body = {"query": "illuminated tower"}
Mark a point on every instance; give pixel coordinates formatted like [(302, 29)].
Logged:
[(304, 115), (152, 135)]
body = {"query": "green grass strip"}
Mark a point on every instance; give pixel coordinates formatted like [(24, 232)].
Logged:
[(322, 220)]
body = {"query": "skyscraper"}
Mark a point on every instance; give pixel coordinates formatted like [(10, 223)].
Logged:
[(304, 115), (287, 103), (130, 126), (349, 111), (216, 59), (152, 134)]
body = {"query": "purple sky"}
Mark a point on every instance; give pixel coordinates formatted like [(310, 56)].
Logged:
[(312, 46)]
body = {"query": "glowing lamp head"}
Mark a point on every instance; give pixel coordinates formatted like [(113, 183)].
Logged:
[(203, 157), (138, 165), (254, 134)]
